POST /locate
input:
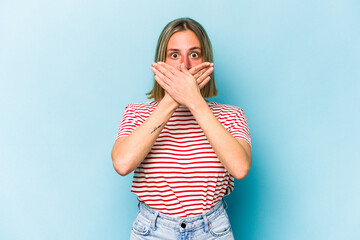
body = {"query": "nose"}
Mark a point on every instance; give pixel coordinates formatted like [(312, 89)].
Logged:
[(187, 62)]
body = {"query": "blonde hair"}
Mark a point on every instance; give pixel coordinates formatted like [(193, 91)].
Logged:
[(178, 25)]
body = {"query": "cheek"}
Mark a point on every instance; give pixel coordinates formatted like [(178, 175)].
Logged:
[(171, 62)]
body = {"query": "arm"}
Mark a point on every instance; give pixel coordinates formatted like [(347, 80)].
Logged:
[(234, 154), (128, 152)]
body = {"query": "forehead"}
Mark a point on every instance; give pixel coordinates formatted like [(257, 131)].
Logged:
[(183, 40)]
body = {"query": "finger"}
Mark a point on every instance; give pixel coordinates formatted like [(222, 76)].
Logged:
[(203, 83), (163, 70), (206, 74), (199, 67), (164, 79), (162, 83), (201, 72), (170, 68)]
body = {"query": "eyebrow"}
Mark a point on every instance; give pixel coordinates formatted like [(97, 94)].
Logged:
[(175, 49)]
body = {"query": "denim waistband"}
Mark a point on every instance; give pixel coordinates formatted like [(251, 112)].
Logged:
[(188, 223)]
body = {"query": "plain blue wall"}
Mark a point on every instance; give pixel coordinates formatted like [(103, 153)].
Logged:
[(68, 69)]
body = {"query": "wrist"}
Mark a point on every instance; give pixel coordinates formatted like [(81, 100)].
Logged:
[(169, 102), (197, 104)]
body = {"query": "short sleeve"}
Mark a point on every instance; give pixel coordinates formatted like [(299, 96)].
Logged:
[(128, 122), (239, 127)]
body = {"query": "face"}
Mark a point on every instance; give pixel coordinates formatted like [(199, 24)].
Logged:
[(184, 47)]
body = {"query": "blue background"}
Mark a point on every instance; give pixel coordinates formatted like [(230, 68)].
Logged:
[(69, 68)]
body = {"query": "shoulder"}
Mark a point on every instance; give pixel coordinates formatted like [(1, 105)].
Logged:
[(225, 108), (142, 106)]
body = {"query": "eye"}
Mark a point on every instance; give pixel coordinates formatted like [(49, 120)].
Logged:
[(194, 54), (174, 55)]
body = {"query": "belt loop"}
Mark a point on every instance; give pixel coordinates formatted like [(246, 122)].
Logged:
[(226, 206), (205, 222), (154, 220)]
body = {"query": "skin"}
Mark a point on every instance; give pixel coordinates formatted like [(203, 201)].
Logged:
[(182, 75)]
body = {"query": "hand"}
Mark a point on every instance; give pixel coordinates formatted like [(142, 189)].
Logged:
[(202, 73), (192, 81)]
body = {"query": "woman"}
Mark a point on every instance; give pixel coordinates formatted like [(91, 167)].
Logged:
[(185, 150)]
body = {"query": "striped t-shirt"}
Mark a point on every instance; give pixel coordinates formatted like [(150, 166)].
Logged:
[(182, 176)]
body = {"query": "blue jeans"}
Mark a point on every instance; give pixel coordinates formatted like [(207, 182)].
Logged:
[(212, 224)]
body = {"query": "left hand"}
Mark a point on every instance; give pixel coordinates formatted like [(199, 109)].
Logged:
[(182, 86), (202, 72)]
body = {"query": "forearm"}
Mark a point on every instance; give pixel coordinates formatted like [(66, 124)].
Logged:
[(235, 156), (128, 152)]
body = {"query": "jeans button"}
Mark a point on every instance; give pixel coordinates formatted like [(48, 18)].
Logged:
[(183, 224)]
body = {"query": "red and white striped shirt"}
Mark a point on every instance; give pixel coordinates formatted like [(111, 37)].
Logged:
[(182, 176)]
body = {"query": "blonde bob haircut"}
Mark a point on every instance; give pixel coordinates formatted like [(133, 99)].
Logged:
[(178, 25)]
